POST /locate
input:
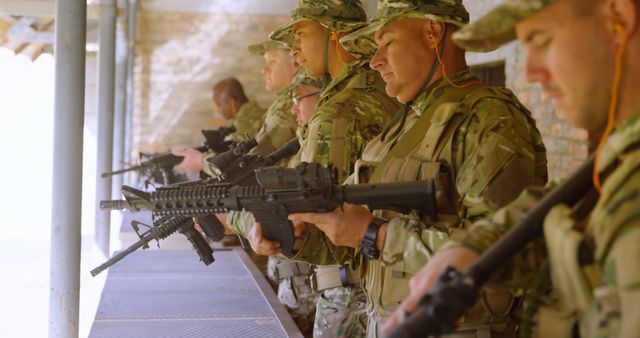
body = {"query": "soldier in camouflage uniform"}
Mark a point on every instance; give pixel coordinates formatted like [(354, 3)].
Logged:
[(478, 143), (292, 278), (232, 103), (352, 110), (279, 71), (597, 299)]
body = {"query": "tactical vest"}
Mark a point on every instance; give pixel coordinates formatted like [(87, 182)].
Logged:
[(578, 301), (428, 157)]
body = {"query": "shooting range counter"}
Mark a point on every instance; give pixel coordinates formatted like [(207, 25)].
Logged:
[(169, 293)]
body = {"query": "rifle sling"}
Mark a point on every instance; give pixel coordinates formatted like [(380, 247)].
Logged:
[(414, 135)]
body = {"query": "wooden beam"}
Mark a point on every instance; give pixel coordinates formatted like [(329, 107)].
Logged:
[(234, 7)]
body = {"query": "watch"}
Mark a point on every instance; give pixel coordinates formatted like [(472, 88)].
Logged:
[(368, 244)]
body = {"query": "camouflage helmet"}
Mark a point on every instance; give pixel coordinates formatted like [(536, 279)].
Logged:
[(449, 11), (498, 26), (336, 15), (302, 79), (261, 48)]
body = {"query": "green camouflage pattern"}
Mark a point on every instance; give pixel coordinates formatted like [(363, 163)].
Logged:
[(336, 15), (295, 294), (261, 48), (351, 111), (341, 313), (302, 79), (247, 121), (496, 145), (498, 26), (449, 11), (279, 124), (612, 227)]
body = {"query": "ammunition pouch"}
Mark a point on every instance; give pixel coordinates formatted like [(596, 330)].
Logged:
[(570, 300)]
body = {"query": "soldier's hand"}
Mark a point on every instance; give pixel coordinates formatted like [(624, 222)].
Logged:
[(192, 159), (343, 227), (457, 257), (261, 245), (222, 217)]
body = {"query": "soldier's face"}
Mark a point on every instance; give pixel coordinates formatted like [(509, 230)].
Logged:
[(305, 99), (279, 69), (403, 58), (571, 57), (309, 47)]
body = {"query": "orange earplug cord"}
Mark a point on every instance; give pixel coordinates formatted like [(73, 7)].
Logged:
[(613, 105)]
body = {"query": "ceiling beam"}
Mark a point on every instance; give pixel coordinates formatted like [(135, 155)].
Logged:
[(42, 8)]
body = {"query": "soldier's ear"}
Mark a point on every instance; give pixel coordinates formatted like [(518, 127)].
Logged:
[(433, 31), (622, 16), (333, 36)]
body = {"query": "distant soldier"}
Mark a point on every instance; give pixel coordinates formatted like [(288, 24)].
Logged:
[(478, 143), (232, 103), (586, 56)]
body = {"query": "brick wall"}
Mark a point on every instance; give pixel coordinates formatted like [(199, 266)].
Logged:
[(567, 147), (178, 57)]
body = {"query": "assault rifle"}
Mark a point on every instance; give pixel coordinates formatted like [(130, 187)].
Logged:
[(165, 162), (455, 291), (214, 139), (281, 191), (164, 227), (236, 167)]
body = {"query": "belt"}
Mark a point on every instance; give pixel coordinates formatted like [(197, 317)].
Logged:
[(290, 269), (331, 276)]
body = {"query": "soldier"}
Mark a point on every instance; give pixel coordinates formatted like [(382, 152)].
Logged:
[(292, 278), (598, 299), (478, 144), (352, 110), (279, 70), (232, 103)]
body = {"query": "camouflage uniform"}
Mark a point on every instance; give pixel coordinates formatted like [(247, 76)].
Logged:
[(279, 124), (249, 118), (599, 299), (352, 109), (481, 148)]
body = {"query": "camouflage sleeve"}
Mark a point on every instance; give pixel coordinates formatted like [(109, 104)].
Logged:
[(616, 231), (485, 232), (279, 127), (498, 153), (240, 222), (495, 154), (247, 122), (317, 249), (619, 296), (340, 129)]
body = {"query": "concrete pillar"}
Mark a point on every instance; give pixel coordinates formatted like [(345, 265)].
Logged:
[(64, 283), (106, 87), (132, 14), (120, 101)]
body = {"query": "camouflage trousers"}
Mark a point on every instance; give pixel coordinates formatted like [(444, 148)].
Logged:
[(295, 294), (341, 312)]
